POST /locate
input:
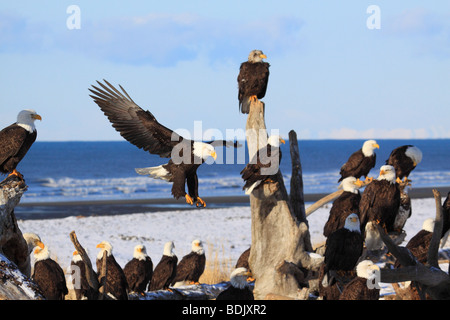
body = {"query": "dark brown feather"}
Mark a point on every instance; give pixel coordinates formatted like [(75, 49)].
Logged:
[(164, 273), (138, 273), (357, 165), (190, 268), (116, 282), (15, 142), (50, 278), (252, 80), (345, 204)]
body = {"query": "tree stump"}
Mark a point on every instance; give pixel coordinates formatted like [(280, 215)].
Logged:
[(12, 242), (280, 242)]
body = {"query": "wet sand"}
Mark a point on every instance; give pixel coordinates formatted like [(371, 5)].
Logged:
[(50, 210)]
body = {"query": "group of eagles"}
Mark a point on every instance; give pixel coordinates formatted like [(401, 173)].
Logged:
[(137, 276), (353, 216)]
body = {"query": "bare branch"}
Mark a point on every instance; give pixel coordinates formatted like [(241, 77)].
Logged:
[(92, 280), (432, 258), (296, 196), (403, 255)]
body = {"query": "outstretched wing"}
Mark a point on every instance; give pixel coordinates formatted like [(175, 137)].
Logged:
[(137, 126)]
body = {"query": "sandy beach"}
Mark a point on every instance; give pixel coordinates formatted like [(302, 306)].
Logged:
[(51, 210)]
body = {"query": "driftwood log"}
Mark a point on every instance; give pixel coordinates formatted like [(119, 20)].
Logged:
[(280, 241), (433, 281), (12, 242)]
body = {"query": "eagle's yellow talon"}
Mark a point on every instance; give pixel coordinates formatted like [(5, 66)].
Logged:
[(189, 200), (200, 202)]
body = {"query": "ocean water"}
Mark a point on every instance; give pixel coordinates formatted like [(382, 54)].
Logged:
[(80, 171)]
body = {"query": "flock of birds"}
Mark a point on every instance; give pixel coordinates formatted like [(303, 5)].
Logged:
[(137, 276), (352, 222)]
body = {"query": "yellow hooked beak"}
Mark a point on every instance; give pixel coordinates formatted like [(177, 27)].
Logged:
[(36, 117), (139, 249), (100, 245), (214, 155), (75, 252), (354, 220), (382, 172), (376, 145), (282, 141), (40, 245), (263, 56)]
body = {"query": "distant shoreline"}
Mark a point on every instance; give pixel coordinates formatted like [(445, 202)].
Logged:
[(51, 210)]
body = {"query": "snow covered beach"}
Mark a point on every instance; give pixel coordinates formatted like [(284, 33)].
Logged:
[(227, 229)]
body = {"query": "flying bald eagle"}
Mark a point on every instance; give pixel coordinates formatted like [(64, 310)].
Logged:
[(358, 288), (380, 200), (343, 248), (165, 270), (139, 270), (346, 203), (239, 288), (360, 162), (404, 159), (48, 275), (116, 285), (191, 266), (252, 79), (16, 140), (141, 128), (263, 165), (83, 291)]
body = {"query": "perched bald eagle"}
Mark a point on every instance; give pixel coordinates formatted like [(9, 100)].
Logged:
[(346, 203), (263, 165), (141, 128), (239, 288), (380, 200), (32, 240), (358, 288), (343, 248), (242, 261), (16, 140), (165, 270), (48, 275), (404, 159), (83, 291), (191, 266), (360, 162), (252, 79), (116, 285), (139, 270)]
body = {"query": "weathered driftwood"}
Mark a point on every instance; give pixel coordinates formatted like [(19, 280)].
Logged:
[(328, 198), (296, 196), (278, 237), (434, 281), (12, 242), (90, 275), (14, 284)]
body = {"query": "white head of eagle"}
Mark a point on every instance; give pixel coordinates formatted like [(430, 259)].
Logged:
[(104, 246), (26, 119), (41, 252), (256, 56), (140, 252), (352, 223), (238, 278), (387, 172), (368, 147), (197, 247)]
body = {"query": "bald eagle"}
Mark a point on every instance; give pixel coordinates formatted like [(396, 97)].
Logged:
[(239, 288), (141, 128), (252, 79), (358, 288), (360, 162), (48, 275), (81, 285), (380, 200), (139, 270), (32, 240), (343, 248), (165, 270), (346, 203), (263, 165), (116, 285), (191, 266), (404, 159), (16, 140)]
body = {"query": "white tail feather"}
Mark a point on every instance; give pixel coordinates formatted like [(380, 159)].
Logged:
[(252, 187), (155, 172)]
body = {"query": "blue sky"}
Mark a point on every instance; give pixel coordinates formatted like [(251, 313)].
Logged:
[(331, 77)]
